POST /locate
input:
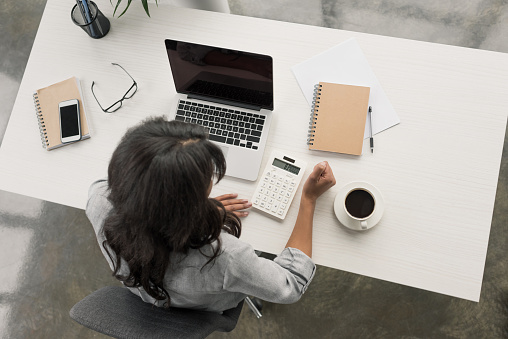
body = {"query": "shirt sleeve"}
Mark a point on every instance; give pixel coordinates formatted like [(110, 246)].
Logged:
[(283, 280), (98, 206)]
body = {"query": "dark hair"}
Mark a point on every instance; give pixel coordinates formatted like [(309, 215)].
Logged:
[(159, 176)]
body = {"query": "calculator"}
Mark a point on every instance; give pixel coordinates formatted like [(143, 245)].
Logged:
[(278, 184)]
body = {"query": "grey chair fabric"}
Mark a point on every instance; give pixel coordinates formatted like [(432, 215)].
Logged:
[(117, 312)]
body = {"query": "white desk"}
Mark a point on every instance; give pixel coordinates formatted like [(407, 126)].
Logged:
[(437, 170)]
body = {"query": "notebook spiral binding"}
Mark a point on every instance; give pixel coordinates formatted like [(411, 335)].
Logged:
[(40, 121), (314, 114)]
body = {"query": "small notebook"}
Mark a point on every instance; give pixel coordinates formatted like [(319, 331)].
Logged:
[(46, 102), (338, 118)]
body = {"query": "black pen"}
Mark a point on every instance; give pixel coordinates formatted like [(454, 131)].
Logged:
[(371, 138), (81, 10)]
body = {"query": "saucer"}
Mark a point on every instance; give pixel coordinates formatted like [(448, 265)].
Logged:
[(342, 215)]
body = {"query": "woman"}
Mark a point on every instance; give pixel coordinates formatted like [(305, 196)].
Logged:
[(171, 244)]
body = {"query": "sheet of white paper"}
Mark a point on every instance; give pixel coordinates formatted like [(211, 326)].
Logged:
[(346, 64)]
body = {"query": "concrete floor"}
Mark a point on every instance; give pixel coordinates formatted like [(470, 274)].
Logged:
[(49, 258)]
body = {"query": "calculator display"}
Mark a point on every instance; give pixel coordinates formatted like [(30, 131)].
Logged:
[(285, 166)]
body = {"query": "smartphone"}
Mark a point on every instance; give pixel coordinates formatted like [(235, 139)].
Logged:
[(70, 124)]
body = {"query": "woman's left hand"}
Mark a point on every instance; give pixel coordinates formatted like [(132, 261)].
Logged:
[(234, 205)]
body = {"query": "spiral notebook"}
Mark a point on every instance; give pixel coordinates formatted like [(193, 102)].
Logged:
[(46, 102), (338, 118)]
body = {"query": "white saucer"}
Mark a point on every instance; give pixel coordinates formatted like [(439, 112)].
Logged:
[(349, 222)]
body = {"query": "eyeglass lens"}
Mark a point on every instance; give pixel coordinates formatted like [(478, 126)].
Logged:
[(114, 107), (131, 91)]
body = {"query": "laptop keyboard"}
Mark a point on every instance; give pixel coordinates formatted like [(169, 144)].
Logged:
[(224, 125)]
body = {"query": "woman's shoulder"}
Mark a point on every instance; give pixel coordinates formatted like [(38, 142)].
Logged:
[(231, 244), (98, 187), (98, 206)]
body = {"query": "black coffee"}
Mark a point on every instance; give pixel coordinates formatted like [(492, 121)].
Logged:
[(360, 203)]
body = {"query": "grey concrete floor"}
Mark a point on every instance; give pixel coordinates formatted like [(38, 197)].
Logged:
[(49, 258)]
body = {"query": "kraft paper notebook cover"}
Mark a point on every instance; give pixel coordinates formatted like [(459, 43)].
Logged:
[(338, 118), (46, 102)]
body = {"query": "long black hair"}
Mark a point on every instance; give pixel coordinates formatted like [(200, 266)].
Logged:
[(159, 178)]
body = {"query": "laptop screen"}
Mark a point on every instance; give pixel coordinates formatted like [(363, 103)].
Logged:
[(222, 75)]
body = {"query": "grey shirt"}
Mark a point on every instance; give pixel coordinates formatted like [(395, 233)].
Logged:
[(223, 283)]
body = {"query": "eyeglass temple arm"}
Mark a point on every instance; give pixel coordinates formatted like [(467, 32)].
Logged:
[(114, 63)]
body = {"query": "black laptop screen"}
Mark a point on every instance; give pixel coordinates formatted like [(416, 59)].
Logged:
[(222, 75)]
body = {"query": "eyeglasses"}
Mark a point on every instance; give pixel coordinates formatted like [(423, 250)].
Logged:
[(130, 92)]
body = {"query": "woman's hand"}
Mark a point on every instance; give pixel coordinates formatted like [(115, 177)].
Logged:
[(318, 182), (234, 205)]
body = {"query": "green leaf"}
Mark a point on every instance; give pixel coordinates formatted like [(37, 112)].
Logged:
[(126, 8), (116, 7), (145, 5), (144, 2)]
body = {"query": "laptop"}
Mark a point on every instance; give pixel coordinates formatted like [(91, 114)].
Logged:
[(230, 93)]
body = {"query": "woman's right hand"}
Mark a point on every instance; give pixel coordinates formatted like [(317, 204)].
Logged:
[(319, 181), (234, 205)]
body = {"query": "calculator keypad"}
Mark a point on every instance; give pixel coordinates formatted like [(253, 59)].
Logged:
[(275, 192)]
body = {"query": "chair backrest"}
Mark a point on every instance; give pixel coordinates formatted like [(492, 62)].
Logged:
[(117, 312)]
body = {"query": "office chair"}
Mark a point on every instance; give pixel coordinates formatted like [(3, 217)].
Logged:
[(117, 312), (255, 306)]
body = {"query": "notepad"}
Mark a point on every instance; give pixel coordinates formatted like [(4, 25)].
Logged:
[(346, 64), (338, 118), (46, 102)]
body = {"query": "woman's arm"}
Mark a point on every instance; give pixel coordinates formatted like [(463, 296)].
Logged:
[(318, 182), (285, 279)]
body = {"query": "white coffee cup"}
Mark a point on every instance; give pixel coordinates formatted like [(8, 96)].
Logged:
[(359, 206)]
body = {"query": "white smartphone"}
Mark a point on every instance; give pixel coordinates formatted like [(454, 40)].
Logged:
[(70, 124)]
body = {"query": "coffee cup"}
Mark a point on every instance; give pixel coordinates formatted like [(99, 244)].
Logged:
[(359, 206)]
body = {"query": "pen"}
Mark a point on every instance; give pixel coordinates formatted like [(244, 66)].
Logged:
[(88, 19), (81, 10), (88, 15), (371, 138)]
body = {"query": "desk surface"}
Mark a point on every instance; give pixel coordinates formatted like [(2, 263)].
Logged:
[(437, 170)]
